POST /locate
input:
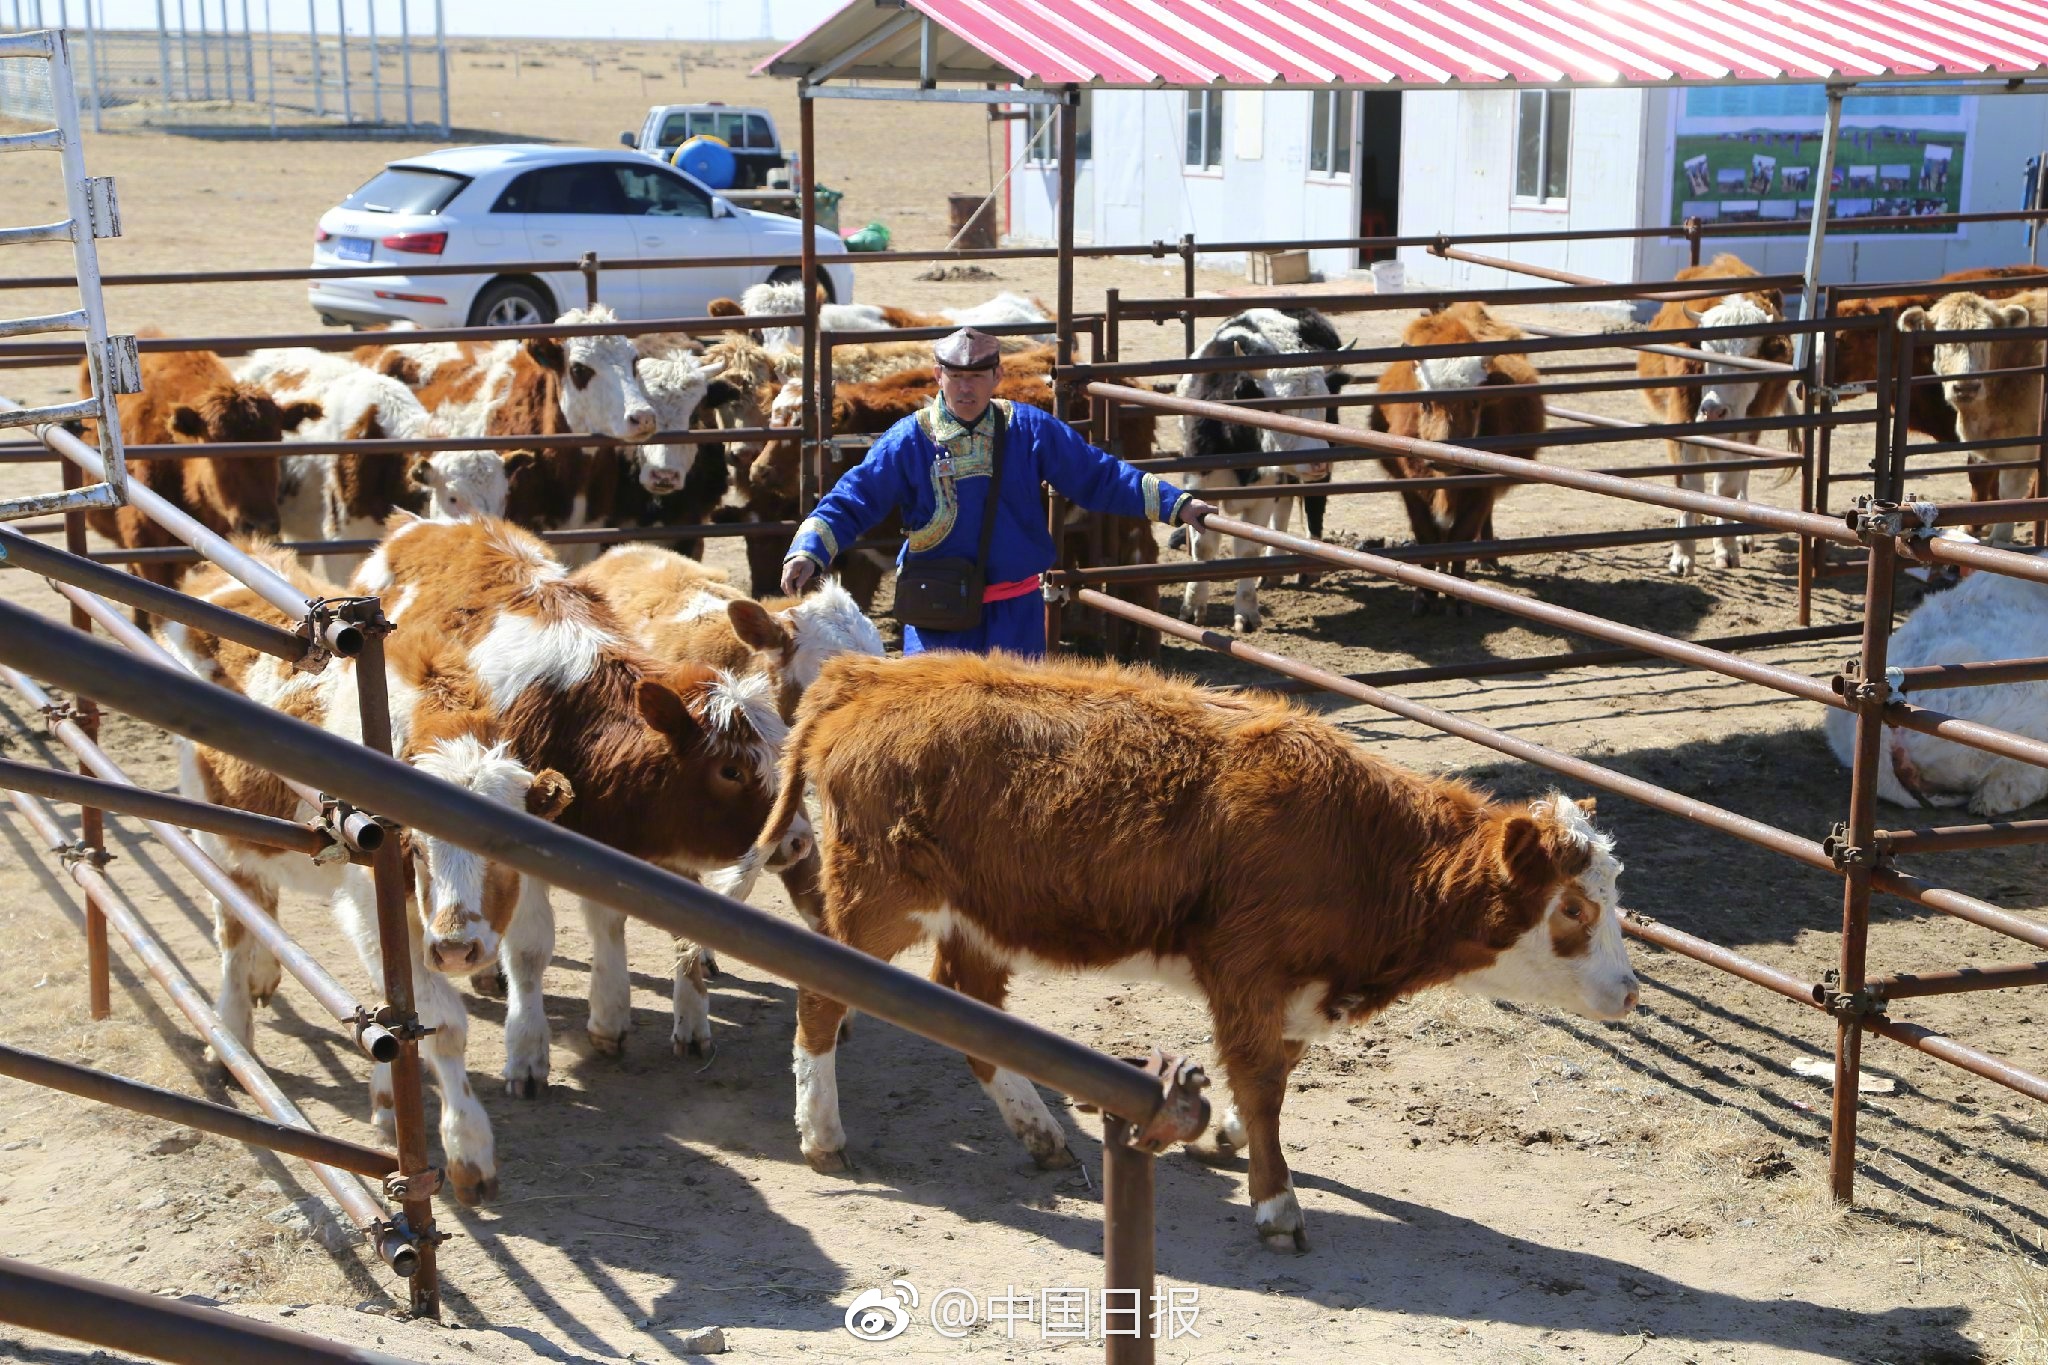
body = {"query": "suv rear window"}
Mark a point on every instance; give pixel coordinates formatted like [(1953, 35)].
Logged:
[(406, 189)]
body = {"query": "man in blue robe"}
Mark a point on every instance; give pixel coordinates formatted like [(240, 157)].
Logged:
[(934, 468)]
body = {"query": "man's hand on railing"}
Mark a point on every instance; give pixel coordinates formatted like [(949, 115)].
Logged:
[(1194, 509)]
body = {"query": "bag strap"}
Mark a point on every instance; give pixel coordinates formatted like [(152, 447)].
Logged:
[(995, 487)]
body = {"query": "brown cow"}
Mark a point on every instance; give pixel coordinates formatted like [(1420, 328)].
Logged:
[(1453, 515), (1068, 816), (191, 398), (1856, 351), (672, 763), (1738, 392), (1990, 407)]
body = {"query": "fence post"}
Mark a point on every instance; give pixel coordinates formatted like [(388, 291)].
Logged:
[(1127, 1242), (91, 824), (348, 113), (313, 43), (394, 941), (405, 54), (441, 60), (587, 264), (376, 69), (1187, 291)]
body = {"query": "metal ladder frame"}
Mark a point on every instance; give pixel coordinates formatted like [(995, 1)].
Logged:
[(94, 213)]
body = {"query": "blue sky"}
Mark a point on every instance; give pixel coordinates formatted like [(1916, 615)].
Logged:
[(678, 19)]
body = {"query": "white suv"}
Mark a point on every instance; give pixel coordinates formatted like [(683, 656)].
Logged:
[(523, 202)]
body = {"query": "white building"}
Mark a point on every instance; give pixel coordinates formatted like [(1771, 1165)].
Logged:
[(1248, 165)]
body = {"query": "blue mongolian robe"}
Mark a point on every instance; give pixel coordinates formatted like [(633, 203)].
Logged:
[(935, 471)]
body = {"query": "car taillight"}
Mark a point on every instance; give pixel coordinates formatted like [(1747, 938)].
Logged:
[(321, 234), (424, 243)]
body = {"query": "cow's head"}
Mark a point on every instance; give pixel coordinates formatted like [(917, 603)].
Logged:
[(1733, 388), (677, 385), (239, 412), (462, 484), (795, 636), (465, 900), (724, 736), (1554, 923), (600, 390), (1452, 420), (1961, 364)]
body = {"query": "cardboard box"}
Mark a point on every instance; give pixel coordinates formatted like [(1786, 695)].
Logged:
[(1277, 267)]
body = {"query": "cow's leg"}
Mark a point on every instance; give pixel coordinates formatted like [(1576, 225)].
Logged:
[(2013, 484), (876, 925), (1017, 1099), (528, 948), (1283, 512), (248, 973), (467, 1144), (1730, 483), (1245, 604), (1257, 1060), (1194, 595), (1682, 454), (690, 1001), (611, 986)]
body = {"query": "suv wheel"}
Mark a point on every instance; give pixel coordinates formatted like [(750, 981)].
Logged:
[(511, 303)]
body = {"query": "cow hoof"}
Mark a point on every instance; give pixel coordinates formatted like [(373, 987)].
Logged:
[(607, 1044), (692, 1047), (1245, 625), (490, 981), (1295, 1242), (1060, 1158), (526, 1087), (469, 1185), (1279, 1223), (384, 1116), (825, 1162), (1679, 568)]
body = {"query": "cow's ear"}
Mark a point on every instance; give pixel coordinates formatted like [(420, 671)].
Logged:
[(1523, 859), (2014, 315), (546, 353), (756, 626), (663, 708), (718, 394), (549, 795), (724, 308), (518, 460), (186, 422), (292, 416), (1914, 320), (420, 473), (1588, 804)]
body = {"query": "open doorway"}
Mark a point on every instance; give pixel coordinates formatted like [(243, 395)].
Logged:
[(1379, 169)]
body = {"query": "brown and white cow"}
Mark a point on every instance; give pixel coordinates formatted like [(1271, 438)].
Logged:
[(544, 386), (1855, 362), (1737, 392), (1990, 407), (1259, 856), (464, 904), (1454, 515), (675, 763), (190, 398), (686, 613)]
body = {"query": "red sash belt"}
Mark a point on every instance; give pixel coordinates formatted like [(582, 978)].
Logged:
[(1003, 592)]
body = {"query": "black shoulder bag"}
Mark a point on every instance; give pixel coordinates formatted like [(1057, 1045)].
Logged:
[(945, 594)]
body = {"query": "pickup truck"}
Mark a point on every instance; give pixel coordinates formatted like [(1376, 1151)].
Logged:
[(749, 134)]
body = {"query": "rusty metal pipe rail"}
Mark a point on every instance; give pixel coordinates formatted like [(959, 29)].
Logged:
[(574, 863), (1948, 838), (1905, 985), (86, 1083), (1733, 362), (1990, 511), (1880, 289), (23, 453), (119, 798), (1544, 272), (45, 352), (1934, 677), (170, 604), (1967, 447), (356, 1202), (375, 1041), (1370, 398), (1165, 309), (159, 1328), (258, 577), (1671, 431)]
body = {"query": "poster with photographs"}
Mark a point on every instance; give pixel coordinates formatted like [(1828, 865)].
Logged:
[(1749, 154)]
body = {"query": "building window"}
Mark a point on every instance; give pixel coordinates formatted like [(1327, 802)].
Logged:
[(1205, 131), (1042, 132), (1329, 133), (1543, 144)]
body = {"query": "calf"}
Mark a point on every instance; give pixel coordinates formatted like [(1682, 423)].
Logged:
[(674, 763), (1287, 874), (1737, 392), (1454, 515), (683, 612), (1987, 616), (1260, 333), (464, 905), (1989, 407), (191, 398), (1855, 351)]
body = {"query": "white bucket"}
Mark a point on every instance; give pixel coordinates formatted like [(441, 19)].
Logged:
[(1389, 277)]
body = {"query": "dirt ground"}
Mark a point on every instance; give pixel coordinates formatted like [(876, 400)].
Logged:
[(1481, 1182)]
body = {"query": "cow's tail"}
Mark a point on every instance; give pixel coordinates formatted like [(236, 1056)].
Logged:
[(738, 880)]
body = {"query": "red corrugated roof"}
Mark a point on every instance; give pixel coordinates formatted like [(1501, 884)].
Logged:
[(1438, 42)]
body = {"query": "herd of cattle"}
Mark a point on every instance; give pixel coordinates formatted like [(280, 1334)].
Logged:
[(643, 699)]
